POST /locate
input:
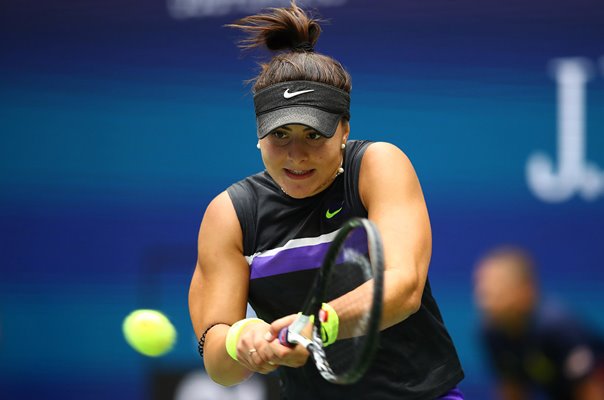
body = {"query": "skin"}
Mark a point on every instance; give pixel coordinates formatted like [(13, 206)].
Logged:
[(302, 161), (304, 164)]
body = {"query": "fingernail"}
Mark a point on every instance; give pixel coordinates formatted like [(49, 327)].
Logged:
[(268, 336)]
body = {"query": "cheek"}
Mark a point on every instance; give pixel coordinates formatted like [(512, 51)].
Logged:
[(328, 156), (271, 157)]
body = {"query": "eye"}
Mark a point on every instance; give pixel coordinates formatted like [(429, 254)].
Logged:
[(314, 135), (315, 139), (279, 137), (278, 134)]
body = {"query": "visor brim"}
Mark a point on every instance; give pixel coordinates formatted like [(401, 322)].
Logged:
[(323, 122)]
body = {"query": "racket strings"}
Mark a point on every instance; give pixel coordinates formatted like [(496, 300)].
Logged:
[(351, 283)]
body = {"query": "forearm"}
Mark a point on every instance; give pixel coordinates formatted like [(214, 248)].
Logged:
[(401, 298), (219, 365)]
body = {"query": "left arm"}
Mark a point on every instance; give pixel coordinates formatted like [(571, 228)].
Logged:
[(392, 195)]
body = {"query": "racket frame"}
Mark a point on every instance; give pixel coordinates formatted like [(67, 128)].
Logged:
[(312, 305)]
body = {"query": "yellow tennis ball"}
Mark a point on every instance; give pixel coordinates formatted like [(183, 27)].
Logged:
[(149, 332)]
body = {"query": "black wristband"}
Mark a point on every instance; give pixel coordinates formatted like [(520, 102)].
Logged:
[(202, 339)]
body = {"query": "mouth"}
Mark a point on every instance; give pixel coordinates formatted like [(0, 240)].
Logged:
[(298, 173)]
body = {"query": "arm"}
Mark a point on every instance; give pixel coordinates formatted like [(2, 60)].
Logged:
[(219, 290), (392, 195)]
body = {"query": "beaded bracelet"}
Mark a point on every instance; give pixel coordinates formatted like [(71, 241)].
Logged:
[(202, 339)]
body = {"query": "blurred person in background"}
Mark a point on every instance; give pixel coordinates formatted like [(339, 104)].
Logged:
[(535, 347)]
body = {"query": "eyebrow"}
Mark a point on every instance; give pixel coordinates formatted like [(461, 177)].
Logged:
[(306, 128)]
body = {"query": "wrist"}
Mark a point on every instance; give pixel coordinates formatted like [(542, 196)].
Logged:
[(330, 324), (234, 333)]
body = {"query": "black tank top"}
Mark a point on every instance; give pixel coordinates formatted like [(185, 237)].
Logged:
[(284, 240)]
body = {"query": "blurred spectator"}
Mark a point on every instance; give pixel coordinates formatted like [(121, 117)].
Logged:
[(535, 347)]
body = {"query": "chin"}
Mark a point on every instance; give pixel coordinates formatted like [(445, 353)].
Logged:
[(298, 194)]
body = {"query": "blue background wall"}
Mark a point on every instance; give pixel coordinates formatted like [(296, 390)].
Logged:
[(120, 120)]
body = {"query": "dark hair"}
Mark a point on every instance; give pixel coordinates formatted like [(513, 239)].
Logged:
[(293, 34)]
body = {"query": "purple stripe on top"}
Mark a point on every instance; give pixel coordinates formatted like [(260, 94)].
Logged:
[(453, 394), (289, 260)]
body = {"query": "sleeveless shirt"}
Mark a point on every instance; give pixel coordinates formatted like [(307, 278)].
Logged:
[(284, 240)]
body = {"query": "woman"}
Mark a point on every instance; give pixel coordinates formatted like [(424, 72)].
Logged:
[(315, 179)]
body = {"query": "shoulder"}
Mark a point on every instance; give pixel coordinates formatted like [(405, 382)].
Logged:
[(220, 208), (383, 153), (378, 158), (386, 166), (220, 216)]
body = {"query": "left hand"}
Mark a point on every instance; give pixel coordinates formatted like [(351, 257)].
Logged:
[(282, 355)]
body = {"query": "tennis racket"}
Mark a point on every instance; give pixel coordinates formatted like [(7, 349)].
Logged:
[(353, 273)]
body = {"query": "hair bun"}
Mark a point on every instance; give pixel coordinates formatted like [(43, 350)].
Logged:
[(292, 34), (303, 47), (280, 29)]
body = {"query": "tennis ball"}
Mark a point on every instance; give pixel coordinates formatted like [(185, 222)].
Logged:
[(149, 332)]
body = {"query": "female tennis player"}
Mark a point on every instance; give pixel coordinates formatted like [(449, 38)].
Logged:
[(260, 239)]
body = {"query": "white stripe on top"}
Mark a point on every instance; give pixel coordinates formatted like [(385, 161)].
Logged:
[(294, 243)]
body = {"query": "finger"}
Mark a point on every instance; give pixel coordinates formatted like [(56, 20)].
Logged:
[(259, 360), (290, 357), (279, 324), (255, 358), (267, 369), (251, 361), (266, 353), (244, 357), (259, 365)]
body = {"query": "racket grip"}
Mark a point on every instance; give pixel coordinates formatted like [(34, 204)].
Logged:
[(283, 333)]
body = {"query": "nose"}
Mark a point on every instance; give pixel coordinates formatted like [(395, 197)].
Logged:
[(297, 151)]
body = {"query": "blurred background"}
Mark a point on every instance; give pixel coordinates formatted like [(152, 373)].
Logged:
[(121, 120)]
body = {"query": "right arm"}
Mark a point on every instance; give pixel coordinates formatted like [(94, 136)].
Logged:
[(219, 290)]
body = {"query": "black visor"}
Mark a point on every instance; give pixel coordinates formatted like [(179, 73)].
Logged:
[(316, 105)]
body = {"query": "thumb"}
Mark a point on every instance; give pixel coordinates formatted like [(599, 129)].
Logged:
[(278, 325)]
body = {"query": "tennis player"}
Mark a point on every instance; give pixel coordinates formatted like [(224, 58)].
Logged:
[(315, 179)]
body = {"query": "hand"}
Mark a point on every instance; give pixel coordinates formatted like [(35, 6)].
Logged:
[(282, 355), (253, 350)]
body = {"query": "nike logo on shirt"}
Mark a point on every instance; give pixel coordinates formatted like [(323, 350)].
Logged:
[(289, 95), (329, 214)]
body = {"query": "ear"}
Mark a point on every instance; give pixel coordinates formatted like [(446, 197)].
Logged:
[(345, 128)]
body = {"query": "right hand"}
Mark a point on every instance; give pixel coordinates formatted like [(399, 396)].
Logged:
[(253, 351)]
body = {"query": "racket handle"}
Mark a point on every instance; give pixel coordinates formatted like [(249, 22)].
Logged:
[(283, 333)]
